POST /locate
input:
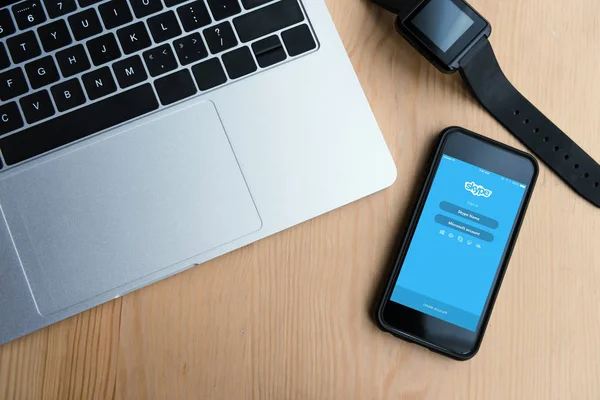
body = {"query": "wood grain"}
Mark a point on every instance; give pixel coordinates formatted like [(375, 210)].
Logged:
[(287, 317)]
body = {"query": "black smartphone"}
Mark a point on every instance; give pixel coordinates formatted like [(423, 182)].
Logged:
[(458, 244)]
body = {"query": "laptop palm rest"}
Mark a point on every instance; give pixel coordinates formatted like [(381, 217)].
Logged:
[(119, 209)]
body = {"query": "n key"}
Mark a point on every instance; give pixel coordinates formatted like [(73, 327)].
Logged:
[(99, 83)]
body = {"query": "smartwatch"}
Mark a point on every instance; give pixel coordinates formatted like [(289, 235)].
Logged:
[(454, 37)]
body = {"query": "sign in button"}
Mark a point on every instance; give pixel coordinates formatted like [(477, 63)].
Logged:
[(468, 214), (460, 226)]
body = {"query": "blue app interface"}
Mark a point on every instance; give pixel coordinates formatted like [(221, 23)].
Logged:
[(459, 242)]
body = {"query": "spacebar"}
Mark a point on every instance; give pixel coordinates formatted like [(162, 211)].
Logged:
[(78, 124)]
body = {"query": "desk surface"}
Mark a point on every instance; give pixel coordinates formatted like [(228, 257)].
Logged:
[(287, 317)]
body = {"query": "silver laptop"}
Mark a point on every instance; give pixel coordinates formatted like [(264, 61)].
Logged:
[(141, 137)]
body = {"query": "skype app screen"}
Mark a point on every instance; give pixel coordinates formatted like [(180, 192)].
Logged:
[(458, 243)]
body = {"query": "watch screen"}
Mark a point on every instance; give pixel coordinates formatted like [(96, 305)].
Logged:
[(459, 243), (443, 22)]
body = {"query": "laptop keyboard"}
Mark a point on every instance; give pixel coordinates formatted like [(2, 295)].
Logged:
[(72, 68)]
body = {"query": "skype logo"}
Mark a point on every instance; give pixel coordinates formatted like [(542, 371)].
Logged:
[(477, 190)]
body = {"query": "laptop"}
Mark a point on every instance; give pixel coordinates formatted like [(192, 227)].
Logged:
[(139, 138)]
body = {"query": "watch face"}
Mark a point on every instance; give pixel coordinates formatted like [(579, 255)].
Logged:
[(445, 27)]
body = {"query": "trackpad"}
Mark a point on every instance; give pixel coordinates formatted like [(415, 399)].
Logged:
[(127, 206)]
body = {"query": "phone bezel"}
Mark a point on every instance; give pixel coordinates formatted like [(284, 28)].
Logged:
[(423, 329)]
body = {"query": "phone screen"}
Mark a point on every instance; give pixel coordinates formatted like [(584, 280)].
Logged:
[(459, 242)]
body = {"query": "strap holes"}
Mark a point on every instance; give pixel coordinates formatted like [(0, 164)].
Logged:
[(556, 148), (576, 166), (566, 156), (546, 139), (596, 184), (536, 130), (516, 112), (586, 175), (525, 121)]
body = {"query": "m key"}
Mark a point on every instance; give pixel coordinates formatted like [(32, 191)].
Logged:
[(130, 71)]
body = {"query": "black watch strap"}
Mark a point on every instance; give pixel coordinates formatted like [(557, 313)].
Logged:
[(481, 71)]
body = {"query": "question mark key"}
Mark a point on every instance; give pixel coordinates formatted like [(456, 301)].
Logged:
[(220, 37)]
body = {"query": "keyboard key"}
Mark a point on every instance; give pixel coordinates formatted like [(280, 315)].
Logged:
[(68, 94), (175, 87), (72, 60), (115, 13), (248, 4), (42, 72), (160, 60), (37, 106), (239, 62), (29, 13), (134, 37), (220, 37), (99, 83), (164, 26), (268, 51), (23, 47), (194, 15), (58, 8), (130, 71), (79, 124), (85, 24), (209, 74), (190, 49), (54, 35), (171, 3), (12, 84), (222, 9), (298, 40), (10, 118), (4, 60), (268, 19), (142, 8), (7, 27), (85, 3), (103, 49)]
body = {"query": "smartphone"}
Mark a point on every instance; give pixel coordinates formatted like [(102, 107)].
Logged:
[(458, 244)]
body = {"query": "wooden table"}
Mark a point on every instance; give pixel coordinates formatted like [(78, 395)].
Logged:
[(288, 317)]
